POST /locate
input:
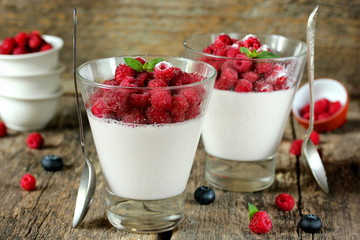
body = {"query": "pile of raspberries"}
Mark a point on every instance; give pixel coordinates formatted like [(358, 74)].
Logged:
[(156, 104), (24, 43), (245, 74)]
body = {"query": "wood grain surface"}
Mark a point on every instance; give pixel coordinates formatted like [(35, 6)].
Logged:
[(107, 28)]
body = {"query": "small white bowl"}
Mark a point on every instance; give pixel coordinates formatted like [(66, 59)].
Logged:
[(37, 62), (31, 84), (28, 113)]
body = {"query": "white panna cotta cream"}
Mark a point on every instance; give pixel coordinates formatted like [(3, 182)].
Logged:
[(145, 162), (246, 126)]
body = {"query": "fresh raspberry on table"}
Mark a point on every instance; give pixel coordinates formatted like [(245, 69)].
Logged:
[(285, 202), (35, 140), (315, 138), (243, 86), (135, 115), (295, 147), (122, 71), (334, 107), (263, 67), (161, 99), (164, 71), (3, 130), (321, 106), (157, 116), (21, 39), (28, 182), (260, 223), (250, 76)]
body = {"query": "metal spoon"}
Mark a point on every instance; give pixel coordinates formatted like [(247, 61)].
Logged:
[(88, 178), (308, 150)]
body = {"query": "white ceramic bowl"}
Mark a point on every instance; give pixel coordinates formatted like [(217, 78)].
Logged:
[(31, 84), (29, 113), (37, 62)]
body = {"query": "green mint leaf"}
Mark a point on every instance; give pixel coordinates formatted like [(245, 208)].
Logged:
[(246, 51), (267, 55), (134, 64), (149, 66), (252, 211)]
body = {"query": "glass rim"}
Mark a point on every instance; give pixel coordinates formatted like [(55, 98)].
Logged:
[(106, 86), (185, 44)]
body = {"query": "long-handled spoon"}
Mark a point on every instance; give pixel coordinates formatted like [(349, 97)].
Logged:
[(88, 178), (308, 150)]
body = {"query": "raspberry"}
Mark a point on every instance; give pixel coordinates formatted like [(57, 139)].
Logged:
[(209, 50), (35, 42), (179, 105), (116, 101), (222, 40), (305, 109), (111, 82), (232, 51), (263, 67), (334, 107), (189, 78), (21, 50), (227, 80), (135, 116), (315, 138), (28, 182), (193, 112), (141, 60), (243, 86), (322, 116), (21, 39), (45, 47), (306, 116), (8, 45), (296, 147), (161, 99), (285, 202), (277, 77), (35, 140), (142, 79), (157, 116), (164, 71), (141, 100), (262, 86), (3, 130), (221, 51), (250, 76), (260, 223), (251, 42), (157, 83), (122, 71), (128, 82), (242, 65), (192, 95), (321, 106), (177, 78)]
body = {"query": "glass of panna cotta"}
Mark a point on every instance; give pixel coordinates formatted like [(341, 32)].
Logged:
[(248, 111), (146, 115)]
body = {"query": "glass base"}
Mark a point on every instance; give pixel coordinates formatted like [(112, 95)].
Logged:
[(145, 216), (240, 176)]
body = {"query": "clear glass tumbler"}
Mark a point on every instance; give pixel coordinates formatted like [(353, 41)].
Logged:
[(145, 156), (245, 124)]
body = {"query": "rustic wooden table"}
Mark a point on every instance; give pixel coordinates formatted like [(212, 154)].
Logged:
[(108, 28)]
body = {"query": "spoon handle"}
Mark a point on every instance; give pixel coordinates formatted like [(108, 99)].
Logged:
[(310, 40)]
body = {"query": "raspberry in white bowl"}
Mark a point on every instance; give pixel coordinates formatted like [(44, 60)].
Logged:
[(257, 79), (146, 115)]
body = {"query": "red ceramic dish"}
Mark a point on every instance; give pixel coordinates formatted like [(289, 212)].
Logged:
[(324, 88)]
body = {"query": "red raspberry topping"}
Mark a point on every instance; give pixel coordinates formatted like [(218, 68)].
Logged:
[(222, 40), (142, 79), (221, 51), (164, 71), (179, 105), (141, 100), (285, 202), (321, 106), (35, 42), (111, 82), (157, 116), (209, 50), (157, 83), (192, 95), (334, 107), (35, 140), (45, 47), (262, 86), (28, 182), (315, 138), (227, 80), (193, 112), (20, 50), (140, 59), (116, 101), (21, 39), (122, 71), (232, 51), (250, 76), (243, 86), (161, 99), (135, 115), (260, 223), (242, 65), (296, 147), (8, 45), (263, 67), (251, 42), (3, 130)]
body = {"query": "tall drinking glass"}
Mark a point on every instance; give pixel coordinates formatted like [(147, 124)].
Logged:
[(145, 154), (246, 119)]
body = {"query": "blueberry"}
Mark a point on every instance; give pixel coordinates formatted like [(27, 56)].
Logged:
[(52, 163), (204, 195), (310, 223)]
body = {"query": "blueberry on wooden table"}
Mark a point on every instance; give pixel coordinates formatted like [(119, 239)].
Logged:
[(204, 195), (310, 223), (52, 163)]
